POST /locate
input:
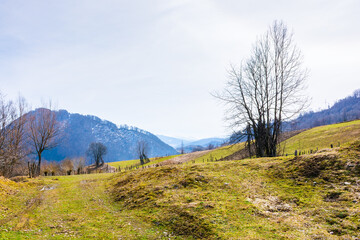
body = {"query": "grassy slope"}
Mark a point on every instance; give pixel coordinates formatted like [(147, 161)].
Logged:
[(323, 136), (216, 154), (310, 197), (249, 199), (318, 137), (269, 198), (128, 163), (219, 153)]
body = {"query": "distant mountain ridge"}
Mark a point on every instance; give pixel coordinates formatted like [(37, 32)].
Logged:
[(206, 141), (172, 141), (343, 110), (190, 146), (81, 130)]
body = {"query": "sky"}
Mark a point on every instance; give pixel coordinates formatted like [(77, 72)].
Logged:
[(154, 64)]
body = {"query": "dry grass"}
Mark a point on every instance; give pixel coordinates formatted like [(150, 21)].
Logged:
[(266, 198), (323, 137)]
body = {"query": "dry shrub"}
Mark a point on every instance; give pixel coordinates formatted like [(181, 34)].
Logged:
[(6, 186)]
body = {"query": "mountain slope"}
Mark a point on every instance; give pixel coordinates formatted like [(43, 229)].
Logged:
[(80, 131), (174, 142), (190, 146), (206, 141), (346, 109)]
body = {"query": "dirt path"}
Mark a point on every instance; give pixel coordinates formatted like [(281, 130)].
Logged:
[(183, 158)]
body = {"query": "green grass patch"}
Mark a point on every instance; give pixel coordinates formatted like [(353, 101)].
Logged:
[(219, 153), (323, 137), (129, 163), (264, 198)]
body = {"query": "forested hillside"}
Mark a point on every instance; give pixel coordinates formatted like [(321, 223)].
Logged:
[(346, 109)]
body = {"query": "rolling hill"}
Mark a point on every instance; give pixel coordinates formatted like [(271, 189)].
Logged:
[(311, 196), (323, 137)]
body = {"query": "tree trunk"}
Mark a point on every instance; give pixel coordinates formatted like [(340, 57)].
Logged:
[(38, 165)]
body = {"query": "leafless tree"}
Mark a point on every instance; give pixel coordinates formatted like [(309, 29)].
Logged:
[(210, 146), (12, 134), (267, 89), (142, 151), (46, 168), (79, 164), (67, 166), (43, 132), (182, 150), (97, 151)]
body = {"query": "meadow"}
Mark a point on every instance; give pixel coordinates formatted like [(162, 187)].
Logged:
[(312, 196)]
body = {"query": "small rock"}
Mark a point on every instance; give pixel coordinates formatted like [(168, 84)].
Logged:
[(347, 183), (45, 188)]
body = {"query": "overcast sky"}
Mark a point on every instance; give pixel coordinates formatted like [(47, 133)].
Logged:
[(153, 64)]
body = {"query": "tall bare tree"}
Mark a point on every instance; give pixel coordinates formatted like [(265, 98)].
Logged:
[(182, 150), (12, 134), (267, 89), (97, 151), (44, 132)]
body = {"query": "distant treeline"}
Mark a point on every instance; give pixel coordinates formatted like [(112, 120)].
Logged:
[(346, 109)]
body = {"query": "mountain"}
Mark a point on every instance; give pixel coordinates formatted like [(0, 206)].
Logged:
[(207, 141), (81, 130), (346, 109), (174, 142), (191, 146)]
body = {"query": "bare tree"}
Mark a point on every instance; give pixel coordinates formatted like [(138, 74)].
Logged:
[(97, 151), (12, 134), (267, 89), (79, 164), (182, 150), (142, 151), (67, 165), (44, 132), (46, 168), (210, 146)]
